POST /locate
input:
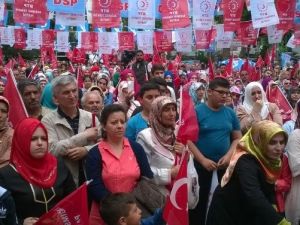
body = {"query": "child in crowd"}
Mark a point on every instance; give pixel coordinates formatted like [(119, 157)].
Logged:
[(121, 209)]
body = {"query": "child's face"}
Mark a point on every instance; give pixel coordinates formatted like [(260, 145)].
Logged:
[(134, 215)]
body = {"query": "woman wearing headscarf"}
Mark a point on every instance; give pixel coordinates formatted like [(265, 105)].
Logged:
[(159, 142), (197, 92), (256, 107), (6, 132), (47, 98), (292, 206), (34, 177), (246, 195)]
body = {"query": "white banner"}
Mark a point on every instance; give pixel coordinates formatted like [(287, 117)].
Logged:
[(224, 39), (7, 35), (203, 14), (89, 11), (62, 41), (141, 14), (293, 43), (2, 7), (274, 36), (263, 13), (184, 40), (145, 41), (67, 19), (34, 38), (108, 42)]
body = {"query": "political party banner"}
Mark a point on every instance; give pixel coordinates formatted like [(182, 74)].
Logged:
[(68, 19), (20, 38), (297, 12), (106, 13), (108, 42), (145, 41), (48, 38), (184, 40), (248, 35), (224, 38), (274, 35), (34, 39), (125, 7), (7, 35), (263, 13), (293, 42), (286, 14), (32, 12), (126, 41), (202, 38), (233, 10), (141, 14), (67, 6), (89, 41), (174, 14), (62, 41), (203, 14), (163, 41)]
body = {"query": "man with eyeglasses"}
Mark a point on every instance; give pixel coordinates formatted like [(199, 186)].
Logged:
[(219, 133)]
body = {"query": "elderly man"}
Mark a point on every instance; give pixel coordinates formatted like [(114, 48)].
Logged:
[(92, 102), (70, 130)]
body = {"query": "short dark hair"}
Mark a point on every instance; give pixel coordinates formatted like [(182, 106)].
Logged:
[(159, 81), (139, 51), (147, 87), (156, 67), (22, 84), (219, 82), (115, 206), (106, 112)]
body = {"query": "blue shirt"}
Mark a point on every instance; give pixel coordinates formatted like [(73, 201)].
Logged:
[(215, 128), (108, 99), (134, 125)]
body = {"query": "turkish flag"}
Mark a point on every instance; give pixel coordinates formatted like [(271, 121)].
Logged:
[(31, 12), (21, 61), (20, 38), (106, 13), (1, 56), (79, 76), (275, 95), (17, 110), (232, 14), (211, 73), (72, 210), (48, 38), (286, 14), (126, 41), (76, 56), (260, 62), (174, 14), (228, 68), (188, 123), (163, 41), (176, 208), (34, 71)]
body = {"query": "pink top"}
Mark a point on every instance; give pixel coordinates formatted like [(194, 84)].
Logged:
[(119, 174)]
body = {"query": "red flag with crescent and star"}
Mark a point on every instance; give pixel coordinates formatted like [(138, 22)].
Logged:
[(176, 208)]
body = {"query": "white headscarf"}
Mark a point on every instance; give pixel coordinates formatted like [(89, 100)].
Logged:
[(248, 102)]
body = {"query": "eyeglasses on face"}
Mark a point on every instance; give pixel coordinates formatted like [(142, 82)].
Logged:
[(222, 93)]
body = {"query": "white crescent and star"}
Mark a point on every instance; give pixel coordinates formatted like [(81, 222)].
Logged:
[(176, 186)]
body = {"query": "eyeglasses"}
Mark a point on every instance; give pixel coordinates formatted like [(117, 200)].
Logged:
[(256, 93), (222, 93)]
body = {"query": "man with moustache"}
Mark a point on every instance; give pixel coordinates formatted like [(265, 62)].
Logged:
[(70, 130), (140, 68), (92, 102)]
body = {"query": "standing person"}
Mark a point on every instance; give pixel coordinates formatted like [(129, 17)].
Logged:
[(36, 179), (70, 129), (115, 164), (219, 133), (256, 107), (140, 68), (246, 195), (6, 132), (140, 121)]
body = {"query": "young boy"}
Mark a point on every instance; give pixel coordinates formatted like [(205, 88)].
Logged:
[(121, 209)]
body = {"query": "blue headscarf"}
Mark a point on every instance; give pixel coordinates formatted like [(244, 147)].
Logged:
[(47, 97)]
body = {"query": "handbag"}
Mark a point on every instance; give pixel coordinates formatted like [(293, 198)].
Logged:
[(148, 195)]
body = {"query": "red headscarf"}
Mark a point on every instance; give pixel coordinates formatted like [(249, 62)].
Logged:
[(125, 73), (40, 172)]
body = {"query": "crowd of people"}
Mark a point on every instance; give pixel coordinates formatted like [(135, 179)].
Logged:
[(120, 126)]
